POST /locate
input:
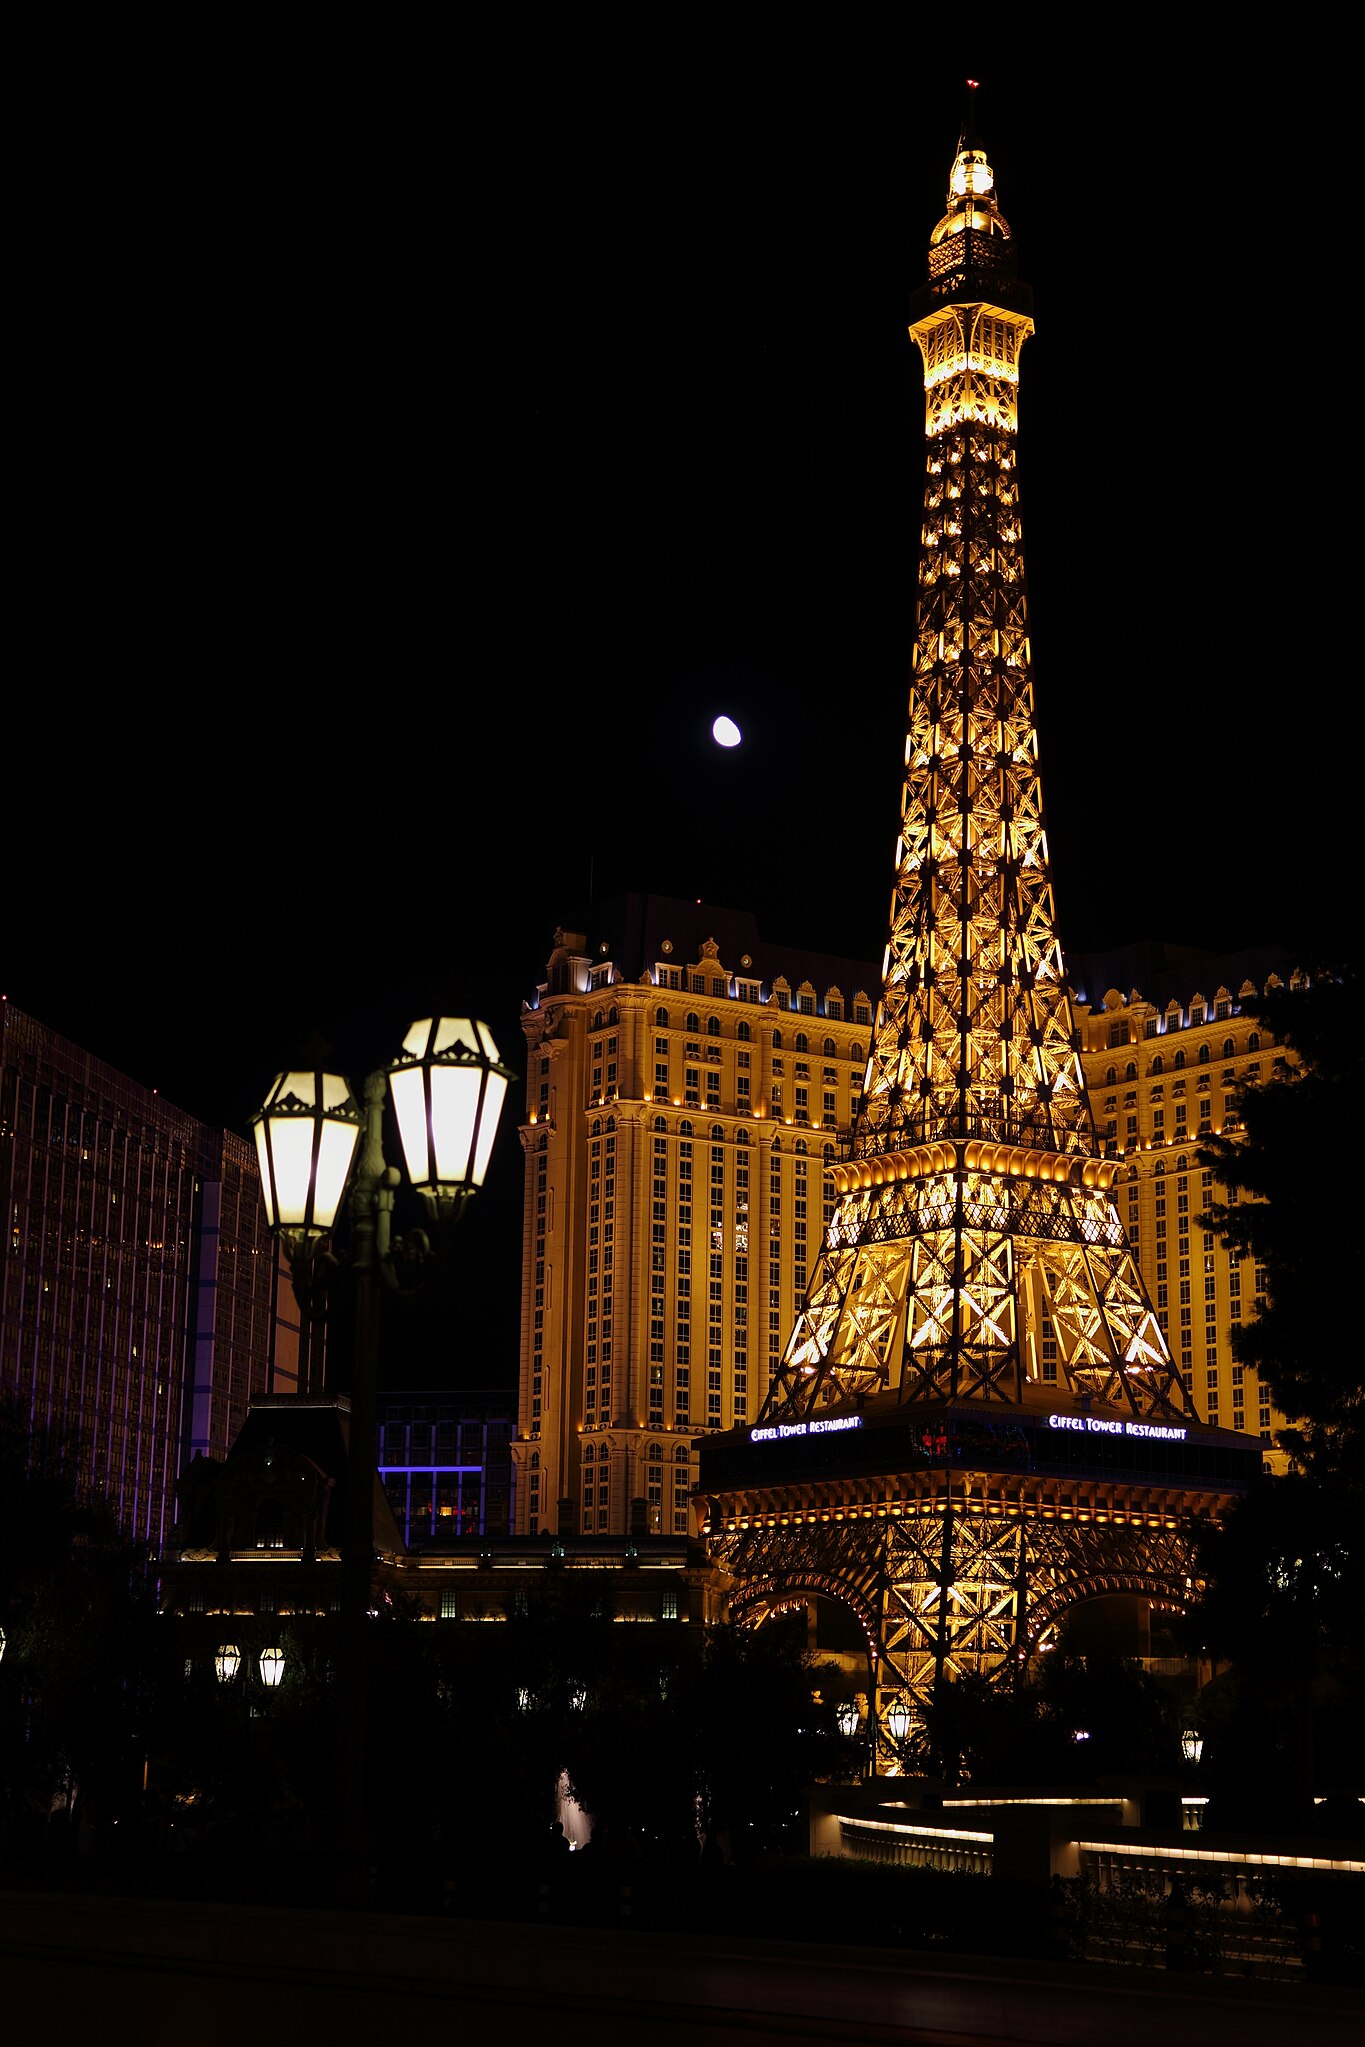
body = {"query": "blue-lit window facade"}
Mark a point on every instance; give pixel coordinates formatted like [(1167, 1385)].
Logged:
[(445, 1463)]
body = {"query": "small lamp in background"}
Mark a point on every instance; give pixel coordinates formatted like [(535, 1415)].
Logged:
[(897, 1721)]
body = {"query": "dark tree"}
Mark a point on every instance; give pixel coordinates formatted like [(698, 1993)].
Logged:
[(1284, 1581), (78, 1609), (1291, 1187)]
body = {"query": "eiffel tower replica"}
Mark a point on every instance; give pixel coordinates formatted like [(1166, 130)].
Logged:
[(977, 1421)]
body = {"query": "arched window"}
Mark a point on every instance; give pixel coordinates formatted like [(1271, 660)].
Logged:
[(613, 1015), (801, 1147), (777, 1041), (588, 1453), (829, 1048), (743, 1033), (857, 1051), (802, 1042), (1182, 1164), (682, 1454), (656, 1453), (717, 1133), (1180, 1057), (1229, 1048), (693, 1021), (741, 1137), (661, 1019), (713, 1026), (659, 1123), (1130, 1071), (1110, 1075), (1254, 1042), (597, 1020), (685, 1129), (1203, 1055), (1158, 1065), (535, 1460)]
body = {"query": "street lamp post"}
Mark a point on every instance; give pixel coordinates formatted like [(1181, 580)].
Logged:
[(313, 1140)]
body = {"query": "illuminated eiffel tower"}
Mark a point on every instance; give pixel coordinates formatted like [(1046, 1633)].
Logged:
[(977, 1420)]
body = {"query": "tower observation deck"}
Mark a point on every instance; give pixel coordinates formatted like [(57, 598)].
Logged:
[(977, 1318)]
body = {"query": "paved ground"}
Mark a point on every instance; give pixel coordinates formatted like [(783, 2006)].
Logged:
[(148, 1972)]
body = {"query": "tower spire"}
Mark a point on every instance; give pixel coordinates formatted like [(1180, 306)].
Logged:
[(974, 1234)]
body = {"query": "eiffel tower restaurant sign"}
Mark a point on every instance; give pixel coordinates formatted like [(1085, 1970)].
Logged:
[(976, 1425)]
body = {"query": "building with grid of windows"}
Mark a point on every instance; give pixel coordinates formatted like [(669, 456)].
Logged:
[(140, 1298), (1168, 1036), (687, 1086), (445, 1463)]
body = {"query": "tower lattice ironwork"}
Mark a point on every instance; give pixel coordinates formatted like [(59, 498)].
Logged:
[(975, 1206), (977, 1420)]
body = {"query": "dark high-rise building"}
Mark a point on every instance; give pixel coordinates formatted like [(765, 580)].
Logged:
[(138, 1282), (445, 1463)]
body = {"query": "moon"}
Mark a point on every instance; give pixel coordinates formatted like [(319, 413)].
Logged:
[(725, 732)]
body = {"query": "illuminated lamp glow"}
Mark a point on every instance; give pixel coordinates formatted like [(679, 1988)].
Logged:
[(448, 1085), (306, 1134)]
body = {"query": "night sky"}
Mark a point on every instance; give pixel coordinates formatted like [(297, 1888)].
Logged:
[(423, 444)]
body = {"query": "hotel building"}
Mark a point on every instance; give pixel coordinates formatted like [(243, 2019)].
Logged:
[(688, 1085), (1168, 1036), (140, 1302)]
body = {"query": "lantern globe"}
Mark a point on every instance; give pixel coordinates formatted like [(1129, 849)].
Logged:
[(898, 1720), (227, 1662), (271, 1666), (1191, 1744), (306, 1134), (448, 1085), (847, 1718)]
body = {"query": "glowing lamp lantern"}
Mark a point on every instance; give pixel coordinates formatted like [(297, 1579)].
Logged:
[(1191, 1744), (306, 1134), (448, 1085), (227, 1663), (847, 1717), (897, 1721), (272, 1667)]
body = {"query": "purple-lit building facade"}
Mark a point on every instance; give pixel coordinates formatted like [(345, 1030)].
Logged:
[(139, 1289)]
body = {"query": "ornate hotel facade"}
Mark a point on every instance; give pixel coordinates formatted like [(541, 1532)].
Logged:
[(688, 1085), (1168, 1037), (1161, 1068)]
